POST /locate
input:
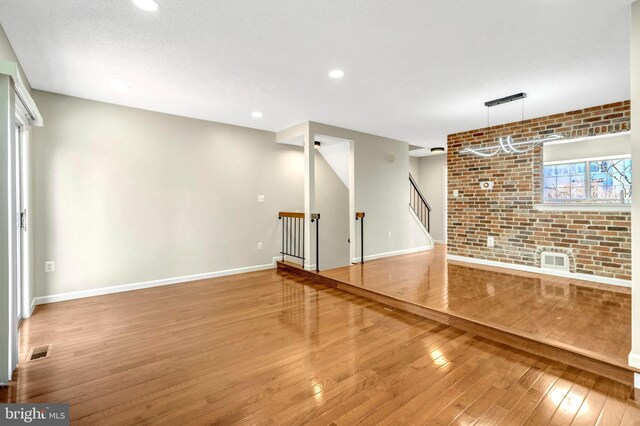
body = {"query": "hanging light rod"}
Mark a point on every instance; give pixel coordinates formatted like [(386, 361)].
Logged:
[(505, 100), (508, 146)]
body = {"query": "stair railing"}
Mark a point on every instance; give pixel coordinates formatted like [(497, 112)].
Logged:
[(360, 216), (419, 204), (293, 227)]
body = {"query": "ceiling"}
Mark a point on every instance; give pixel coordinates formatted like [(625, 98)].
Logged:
[(415, 70)]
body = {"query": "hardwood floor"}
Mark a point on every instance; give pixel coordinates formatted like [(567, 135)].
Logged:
[(576, 314), (269, 348)]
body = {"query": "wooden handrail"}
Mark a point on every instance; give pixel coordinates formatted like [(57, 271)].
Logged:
[(415, 186), (291, 214), (293, 233)]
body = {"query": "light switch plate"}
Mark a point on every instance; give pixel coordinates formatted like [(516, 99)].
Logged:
[(49, 266), (261, 198)]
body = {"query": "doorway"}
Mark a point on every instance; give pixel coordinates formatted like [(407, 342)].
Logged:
[(19, 290), (332, 180)]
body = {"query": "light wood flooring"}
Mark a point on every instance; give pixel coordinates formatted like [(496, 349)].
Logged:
[(274, 348), (589, 317)]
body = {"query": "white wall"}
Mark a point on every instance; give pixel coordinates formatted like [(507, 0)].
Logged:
[(634, 357), (336, 155), (7, 54), (381, 190), (414, 168), (431, 181), (332, 202), (122, 195)]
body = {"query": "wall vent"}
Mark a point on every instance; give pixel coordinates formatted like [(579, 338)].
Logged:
[(553, 260), (39, 352)]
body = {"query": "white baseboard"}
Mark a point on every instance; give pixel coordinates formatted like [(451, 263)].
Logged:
[(392, 253), (148, 284), (634, 360), (583, 277)]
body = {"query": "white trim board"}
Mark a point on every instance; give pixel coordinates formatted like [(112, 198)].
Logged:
[(549, 207), (148, 284), (575, 276), (392, 253), (634, 360)]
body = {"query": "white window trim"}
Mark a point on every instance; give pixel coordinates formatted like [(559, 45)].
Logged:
[(584, 160), (582, 207), (578, 202)]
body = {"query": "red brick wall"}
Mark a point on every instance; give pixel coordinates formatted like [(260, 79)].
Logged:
[(598, 243)]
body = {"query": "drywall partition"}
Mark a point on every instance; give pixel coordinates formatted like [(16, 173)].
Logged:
[(432, 181), (381, 190), (414, 167), (634, 356), (7, 54), (299, 135), (336, 153), (126, 196), (332, 202)]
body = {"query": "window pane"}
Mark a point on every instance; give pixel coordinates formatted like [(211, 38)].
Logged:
[(611, 180), (564, 182), (549, 171)]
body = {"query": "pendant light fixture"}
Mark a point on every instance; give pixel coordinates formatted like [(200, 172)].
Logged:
[(506, 144)]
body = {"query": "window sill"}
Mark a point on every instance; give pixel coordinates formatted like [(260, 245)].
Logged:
[(583, 207)]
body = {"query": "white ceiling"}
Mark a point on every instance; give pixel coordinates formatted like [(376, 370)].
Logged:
[(415, 70)]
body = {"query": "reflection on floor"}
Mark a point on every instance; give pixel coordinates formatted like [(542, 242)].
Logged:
[(271, 348), (590, 317)]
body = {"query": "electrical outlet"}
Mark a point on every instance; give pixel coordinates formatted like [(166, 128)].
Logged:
[(261, 198), (260, 245), (49, 266), (455, 193), (389, 235), (490, 241)]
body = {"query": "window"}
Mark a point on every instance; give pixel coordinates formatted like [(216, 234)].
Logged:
[(595, 181)]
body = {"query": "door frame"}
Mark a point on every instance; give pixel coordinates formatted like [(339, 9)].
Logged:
[(19, 286), (26, 307)]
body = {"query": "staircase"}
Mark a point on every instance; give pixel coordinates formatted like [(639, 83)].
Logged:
[(419, 207)]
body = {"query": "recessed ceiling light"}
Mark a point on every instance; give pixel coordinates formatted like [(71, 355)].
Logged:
[(148, 5), (437, 149), (336, 74), (120, 84), (256, 114)]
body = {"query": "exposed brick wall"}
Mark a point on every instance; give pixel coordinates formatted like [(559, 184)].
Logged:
[(599, 243)]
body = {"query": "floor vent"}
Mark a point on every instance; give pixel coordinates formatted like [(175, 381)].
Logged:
[(39, 352), (553, 260)]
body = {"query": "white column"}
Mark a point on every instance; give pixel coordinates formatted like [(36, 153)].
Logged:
[(309, 198), (7, 120), (634, 356)]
